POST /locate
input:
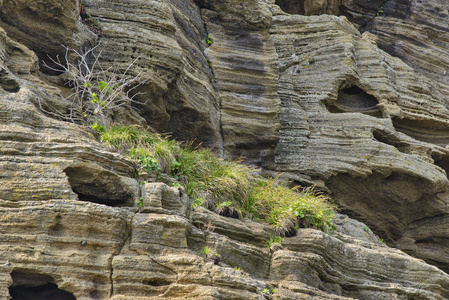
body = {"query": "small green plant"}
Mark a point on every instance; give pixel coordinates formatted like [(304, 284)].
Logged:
[(209, 40), (275, 240), (198, 202), (177, 185), (380, 10), (214, 79), (209, 63), (366, 228), (150, 165), (237, 268), (140, 202), (98, 128), (92, 23), (176, 170), (205, 251)]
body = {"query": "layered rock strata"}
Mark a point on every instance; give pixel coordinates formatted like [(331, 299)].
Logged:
[(167, 41), (244, 63), (367, 125), (93, 251)]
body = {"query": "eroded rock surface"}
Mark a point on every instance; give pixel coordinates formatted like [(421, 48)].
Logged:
[(93, 251), (168, 40), (367, 125), (312, 96)]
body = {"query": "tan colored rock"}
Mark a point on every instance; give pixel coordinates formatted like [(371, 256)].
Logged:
[(244, 62), (95, 251), (366, 124), (158, 197), (168, 38), (324, 262), (71, 241), (45, 26)]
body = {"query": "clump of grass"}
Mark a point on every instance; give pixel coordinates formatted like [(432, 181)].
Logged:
[(289, 208), (274, 240), (227, 187)]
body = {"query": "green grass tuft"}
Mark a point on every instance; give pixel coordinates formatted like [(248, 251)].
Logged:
[(227, 187)]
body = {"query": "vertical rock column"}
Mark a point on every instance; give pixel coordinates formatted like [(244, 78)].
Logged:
[(244, 64)]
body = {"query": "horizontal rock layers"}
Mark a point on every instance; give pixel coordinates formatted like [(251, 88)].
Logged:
[(167, 41), (367, 125), (93, 251), (308, 96), (244, 63)]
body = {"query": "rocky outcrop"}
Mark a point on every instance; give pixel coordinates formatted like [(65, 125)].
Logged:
[(168, 40), (45, 26), (314, 97), (244, 63), (93, 251), (364, 123)]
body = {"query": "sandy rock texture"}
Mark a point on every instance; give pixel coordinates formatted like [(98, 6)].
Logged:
[(94, 251), (366, 124), (348, 95), (244, 62), (168, 40)]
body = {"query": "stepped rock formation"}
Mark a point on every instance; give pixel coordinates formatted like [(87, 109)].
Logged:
[(348, 95)]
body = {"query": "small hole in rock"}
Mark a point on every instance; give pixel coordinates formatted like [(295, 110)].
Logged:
[(354, 99), (291, 7), (31, 286)]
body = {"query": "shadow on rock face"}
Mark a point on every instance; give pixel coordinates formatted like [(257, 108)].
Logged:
[(354, 99), (32, 286), (7, 82), (100, 186)]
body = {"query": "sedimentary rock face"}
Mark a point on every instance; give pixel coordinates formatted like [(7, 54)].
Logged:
[(373, 127), (357, 104)]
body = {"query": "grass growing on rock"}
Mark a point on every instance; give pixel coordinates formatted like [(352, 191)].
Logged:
[(227, 187)]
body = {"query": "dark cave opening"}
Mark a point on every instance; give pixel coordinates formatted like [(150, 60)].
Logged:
[(442, 162), (32, 286), (98, 186), (354, 99), (291, 7)]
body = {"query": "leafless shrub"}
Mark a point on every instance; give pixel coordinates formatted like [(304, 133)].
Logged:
[(95, 89)]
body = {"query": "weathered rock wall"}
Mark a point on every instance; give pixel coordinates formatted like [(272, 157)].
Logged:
[(94, 251), (244, 63), (313, 97), (168, 40), (366, 124)]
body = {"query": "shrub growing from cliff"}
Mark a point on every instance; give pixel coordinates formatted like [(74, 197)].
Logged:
[(227, 187), (95, 89)]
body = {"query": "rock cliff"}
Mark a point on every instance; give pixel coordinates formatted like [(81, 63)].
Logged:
[(348, 95)]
